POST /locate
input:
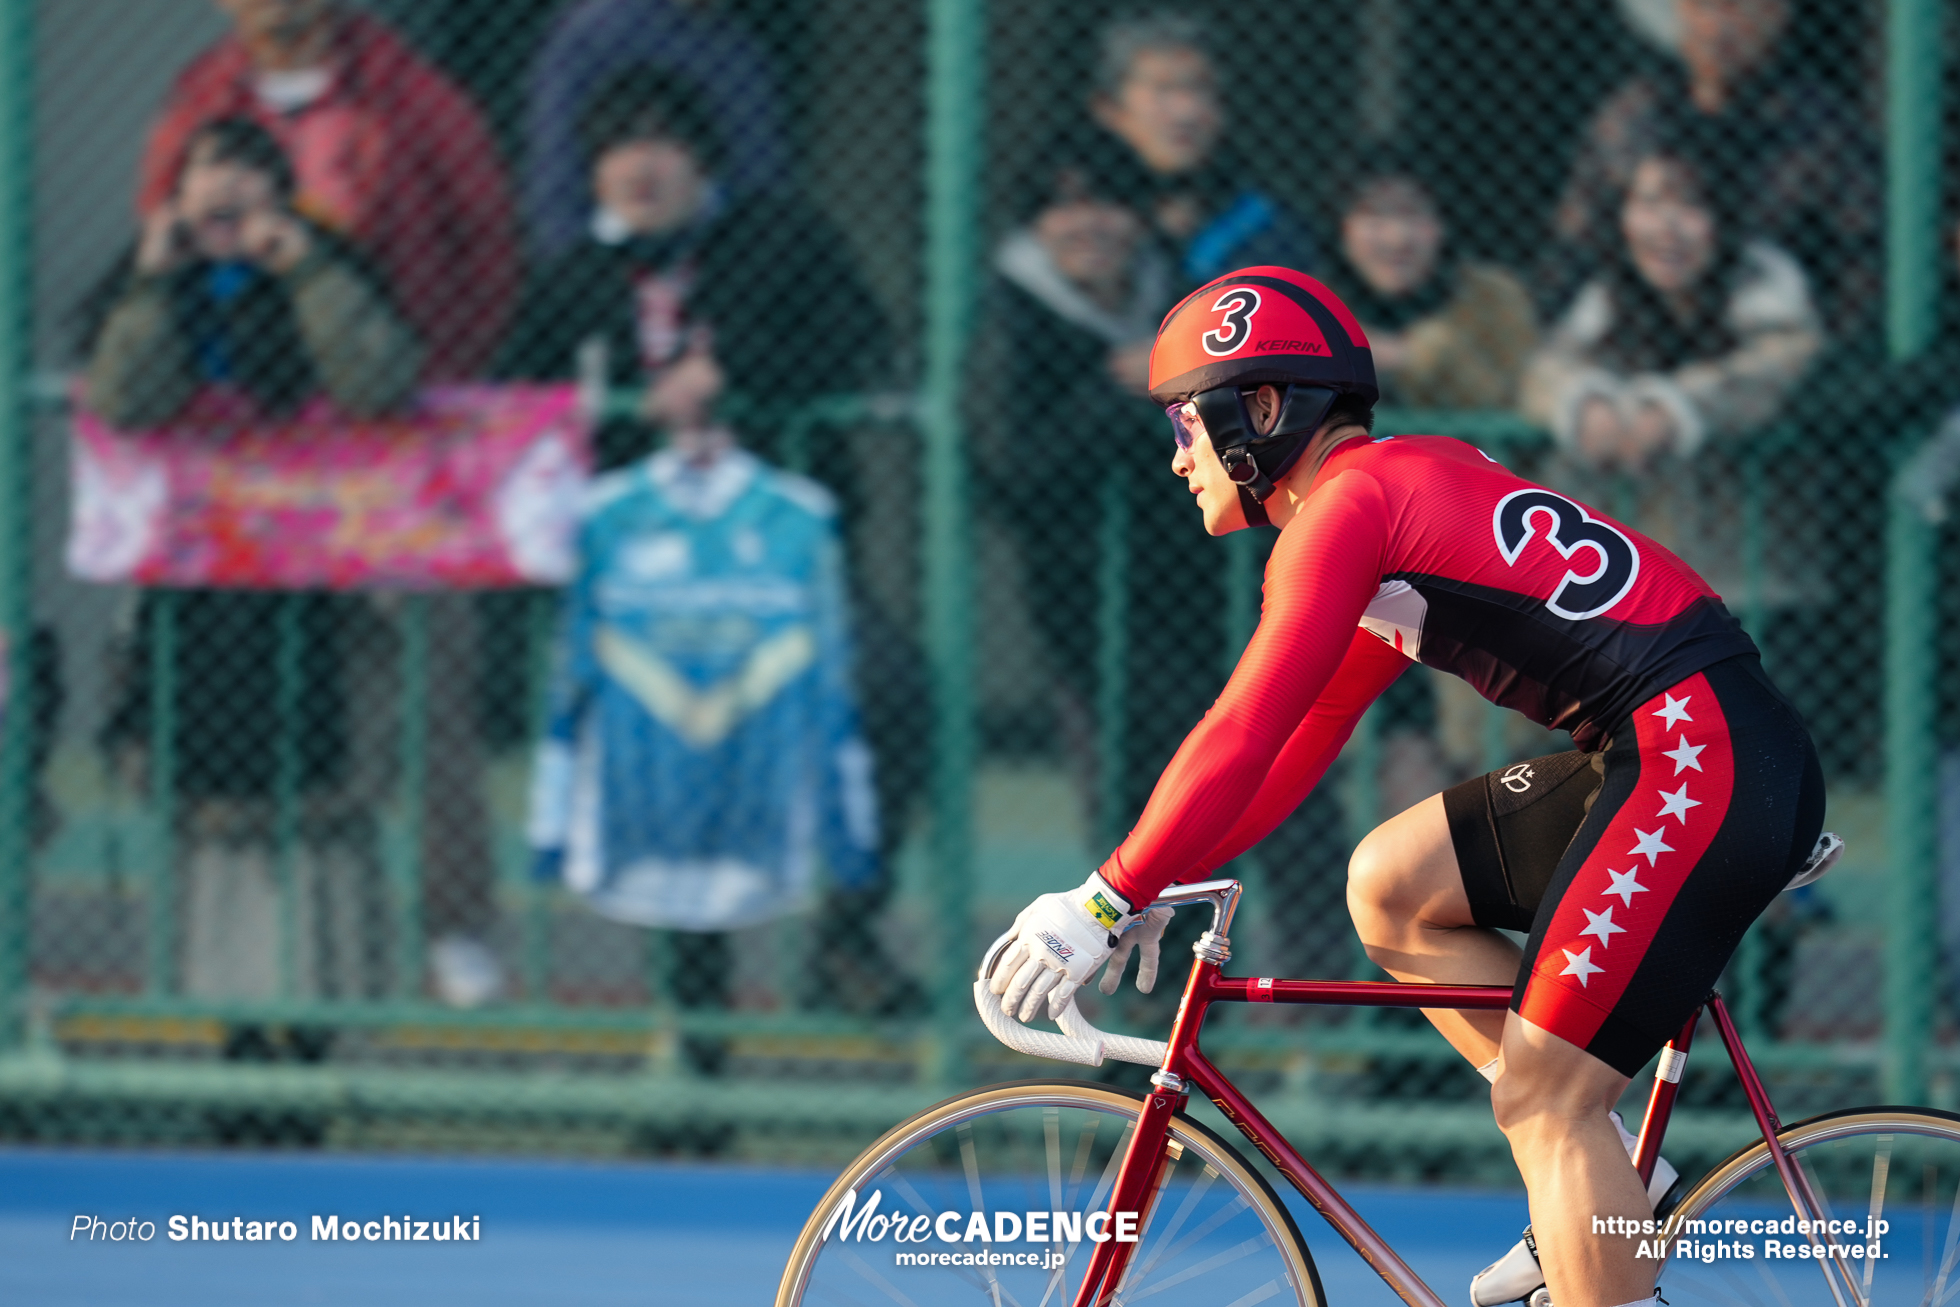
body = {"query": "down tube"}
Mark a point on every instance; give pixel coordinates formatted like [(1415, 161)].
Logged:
[(1333, 1208)]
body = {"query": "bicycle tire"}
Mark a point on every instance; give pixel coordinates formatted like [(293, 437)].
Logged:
[(1201, 1145), (1870, 1160)]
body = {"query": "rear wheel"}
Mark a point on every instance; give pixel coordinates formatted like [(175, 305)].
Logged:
[(1885, 1178), (1216, 1235)]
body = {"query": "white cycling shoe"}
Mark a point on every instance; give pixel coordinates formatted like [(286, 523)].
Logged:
[(1516, 1277)]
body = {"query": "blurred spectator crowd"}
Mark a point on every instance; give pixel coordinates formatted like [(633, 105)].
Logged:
[(323, 211)]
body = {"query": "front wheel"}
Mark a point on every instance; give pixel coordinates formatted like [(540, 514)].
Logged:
[(940, 1210), (1887, 1185)]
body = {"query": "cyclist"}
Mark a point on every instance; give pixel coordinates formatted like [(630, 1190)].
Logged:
[(1635, 861)]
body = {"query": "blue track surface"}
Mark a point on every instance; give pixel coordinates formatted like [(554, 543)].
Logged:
[(552, 1233)]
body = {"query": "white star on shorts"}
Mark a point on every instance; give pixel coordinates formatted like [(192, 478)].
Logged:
[(1674, 710), (1625, 885), (1685, 754), (1678, 803), (1600, 925), (1581, 965), (1650, 844)]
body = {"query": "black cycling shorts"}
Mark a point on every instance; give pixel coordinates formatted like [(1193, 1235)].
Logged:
[(1637, 869)]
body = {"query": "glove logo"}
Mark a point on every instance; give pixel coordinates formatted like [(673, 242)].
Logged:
[(1055, 944), (1103, 911)]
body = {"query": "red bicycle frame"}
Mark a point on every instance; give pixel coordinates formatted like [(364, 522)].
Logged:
[(1186, 1067)]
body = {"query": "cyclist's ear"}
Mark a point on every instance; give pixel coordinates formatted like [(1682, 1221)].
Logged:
[(1264, 408)]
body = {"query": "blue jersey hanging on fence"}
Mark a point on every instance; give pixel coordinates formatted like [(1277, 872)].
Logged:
[(703, 751)]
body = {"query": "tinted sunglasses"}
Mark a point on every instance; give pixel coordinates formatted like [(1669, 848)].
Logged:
[(1185, 423)]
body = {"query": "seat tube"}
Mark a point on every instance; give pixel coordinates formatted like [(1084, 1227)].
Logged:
[(1660, 1103)]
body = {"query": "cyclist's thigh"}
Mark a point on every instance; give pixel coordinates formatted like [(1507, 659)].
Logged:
[(1710, 800), (1508, 829)]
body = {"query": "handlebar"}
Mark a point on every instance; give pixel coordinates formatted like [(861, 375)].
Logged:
[(1080, 1041)]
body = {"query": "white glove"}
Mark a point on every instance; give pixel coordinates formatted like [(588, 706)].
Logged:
[(1144, 937), (1059, 941)]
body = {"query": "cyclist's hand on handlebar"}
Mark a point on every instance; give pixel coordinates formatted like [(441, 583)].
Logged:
[(1059, 941), (1144, 938)]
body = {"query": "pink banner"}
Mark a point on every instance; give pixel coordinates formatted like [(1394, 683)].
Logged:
[(477, 487)]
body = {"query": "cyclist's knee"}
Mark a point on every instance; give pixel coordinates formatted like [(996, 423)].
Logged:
[(1378, 879), (1395, 876), (1541, 1087)]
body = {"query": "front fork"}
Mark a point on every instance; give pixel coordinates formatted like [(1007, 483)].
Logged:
[(1152, 1152)]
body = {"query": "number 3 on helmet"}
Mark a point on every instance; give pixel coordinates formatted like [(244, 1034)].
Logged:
[(1260, 325)]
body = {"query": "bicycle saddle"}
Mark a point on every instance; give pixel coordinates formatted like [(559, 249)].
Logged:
[(1823, 856)]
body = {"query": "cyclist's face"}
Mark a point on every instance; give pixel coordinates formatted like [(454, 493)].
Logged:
[(1197, 463)]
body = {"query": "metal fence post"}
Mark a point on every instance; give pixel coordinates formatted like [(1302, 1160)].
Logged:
[(1912, 160), (955, 65), (1911, 656), (286, 785), (1912, 173), (16, 498), (407, 865), (1112, 658), (163, 792)]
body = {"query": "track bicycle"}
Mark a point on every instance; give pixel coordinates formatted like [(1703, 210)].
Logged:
[(1040, 1193)]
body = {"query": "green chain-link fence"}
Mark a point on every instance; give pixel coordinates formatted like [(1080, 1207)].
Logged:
[(269, 866)]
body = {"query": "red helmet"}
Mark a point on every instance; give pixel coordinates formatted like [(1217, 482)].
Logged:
[(1260, 325)]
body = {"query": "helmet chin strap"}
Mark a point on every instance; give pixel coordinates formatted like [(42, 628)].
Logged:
[(1237, 441)]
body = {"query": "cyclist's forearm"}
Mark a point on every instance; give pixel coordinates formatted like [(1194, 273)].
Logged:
[(1370, 667)]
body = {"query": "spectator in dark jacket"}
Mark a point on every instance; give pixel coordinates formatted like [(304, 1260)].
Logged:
[(1803, 164), (386, 151), (594, 41), (1164, 138), (228, 285), (679, 285), (1446, 332)]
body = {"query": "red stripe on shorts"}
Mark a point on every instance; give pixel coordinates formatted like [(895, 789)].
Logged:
[(1614, 906)]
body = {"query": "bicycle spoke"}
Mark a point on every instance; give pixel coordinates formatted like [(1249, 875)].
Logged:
[(1142, 1267), (1708, 1292), (1051, 1140), (1815, 1192), (1083, 1147), (1782, 1298), (870, 1273), (1935, 1292), (970, 1160), (1212, 1263), (1206, 1226), (1881, 1171), (1259, 1295)]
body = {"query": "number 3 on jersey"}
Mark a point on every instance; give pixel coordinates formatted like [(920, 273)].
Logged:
[(1580, 595)]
